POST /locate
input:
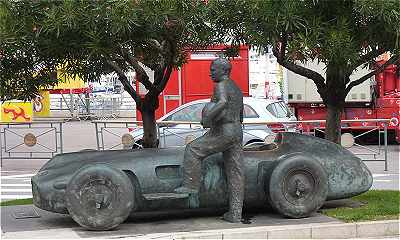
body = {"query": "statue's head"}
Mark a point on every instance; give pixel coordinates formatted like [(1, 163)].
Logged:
[(220, 69)]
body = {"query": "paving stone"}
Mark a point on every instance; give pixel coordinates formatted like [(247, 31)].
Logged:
[(291, 233), (378, 229), (245, 235), (329, 231), (193, 236)]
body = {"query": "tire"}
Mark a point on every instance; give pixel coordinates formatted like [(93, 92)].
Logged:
[(99, 197), (297, 186)]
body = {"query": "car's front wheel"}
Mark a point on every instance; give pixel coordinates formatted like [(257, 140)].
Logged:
[(297, 186), (99, 197)]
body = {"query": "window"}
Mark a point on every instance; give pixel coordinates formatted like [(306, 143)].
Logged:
[(286, 108), (277, 110), (191, 113), (248, 112), (272, 110), (280, 111)]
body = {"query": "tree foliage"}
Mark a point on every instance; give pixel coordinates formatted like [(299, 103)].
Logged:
[(342, 34), (22, 70), (90, 38)]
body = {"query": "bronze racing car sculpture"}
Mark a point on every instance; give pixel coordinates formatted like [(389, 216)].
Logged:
[(295, 175)]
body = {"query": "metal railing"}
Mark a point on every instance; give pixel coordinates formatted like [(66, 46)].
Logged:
[(115, 130), (380, 127), (83, 107), (119, 130), (33, 140)]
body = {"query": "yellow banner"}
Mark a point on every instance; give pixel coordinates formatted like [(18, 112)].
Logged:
[(41, 104), (16, 112), (68, 82)]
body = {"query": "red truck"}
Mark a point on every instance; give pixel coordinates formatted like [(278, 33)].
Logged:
[(378, 98), (192, 81)]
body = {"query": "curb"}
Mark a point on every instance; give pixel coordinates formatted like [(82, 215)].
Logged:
[(301, 231)]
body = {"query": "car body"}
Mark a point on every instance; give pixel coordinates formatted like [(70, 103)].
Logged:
[(255, 110), (295, 175)]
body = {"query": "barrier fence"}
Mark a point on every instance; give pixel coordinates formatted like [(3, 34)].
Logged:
[(44, 139), (379, 126), (89, 106), (34, 140), (128, 134)]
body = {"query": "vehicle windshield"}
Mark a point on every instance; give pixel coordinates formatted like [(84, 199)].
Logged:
[(190, 113), (279, 110)]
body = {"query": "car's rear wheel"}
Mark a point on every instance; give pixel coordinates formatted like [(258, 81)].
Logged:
[(99, 197), (297, 186)]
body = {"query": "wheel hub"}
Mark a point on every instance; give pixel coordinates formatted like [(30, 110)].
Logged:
[(299, 186), (97, 194)]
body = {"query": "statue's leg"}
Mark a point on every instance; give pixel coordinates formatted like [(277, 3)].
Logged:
[(195, 152), (191, 170), (234, 168)]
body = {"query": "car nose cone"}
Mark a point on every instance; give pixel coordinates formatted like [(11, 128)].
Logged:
[(350, 178), (35, 192)]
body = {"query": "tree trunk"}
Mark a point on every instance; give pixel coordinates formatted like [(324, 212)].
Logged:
[(334, 100), (150, 137), (333, 126), (148, 110)]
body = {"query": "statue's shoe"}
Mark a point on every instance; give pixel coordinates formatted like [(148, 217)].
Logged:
[(185, 190), (233, 218)]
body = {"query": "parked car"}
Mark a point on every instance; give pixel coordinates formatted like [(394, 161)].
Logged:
[(255, 110), (295, 175)]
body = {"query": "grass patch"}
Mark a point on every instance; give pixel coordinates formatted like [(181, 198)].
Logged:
[(17, 202), (379, 205)]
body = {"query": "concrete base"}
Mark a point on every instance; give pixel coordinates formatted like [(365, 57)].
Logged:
[(51, 225), (22, 222)]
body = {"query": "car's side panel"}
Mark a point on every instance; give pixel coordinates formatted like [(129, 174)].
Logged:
[(160, 172)]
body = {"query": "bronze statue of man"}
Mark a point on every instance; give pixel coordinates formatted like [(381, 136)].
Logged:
[(224, 116)]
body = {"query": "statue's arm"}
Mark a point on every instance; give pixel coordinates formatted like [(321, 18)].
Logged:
[(220, 105)]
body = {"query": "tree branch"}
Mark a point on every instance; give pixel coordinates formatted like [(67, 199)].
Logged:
[(155, 44), (167, 66), (141, 74), (308, 73), (125, 82), (367, 57), (164, 80), (283, 47), (392, 60)]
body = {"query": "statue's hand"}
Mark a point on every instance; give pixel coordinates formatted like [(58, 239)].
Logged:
[(205, 123)]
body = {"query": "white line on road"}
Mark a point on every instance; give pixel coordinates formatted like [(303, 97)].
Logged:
[(16, 190), (382, 180), (383, 175), (15, 185), (3, 197), (17, 176)]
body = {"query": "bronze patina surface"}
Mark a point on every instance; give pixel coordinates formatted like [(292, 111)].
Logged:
[(282, 175)]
